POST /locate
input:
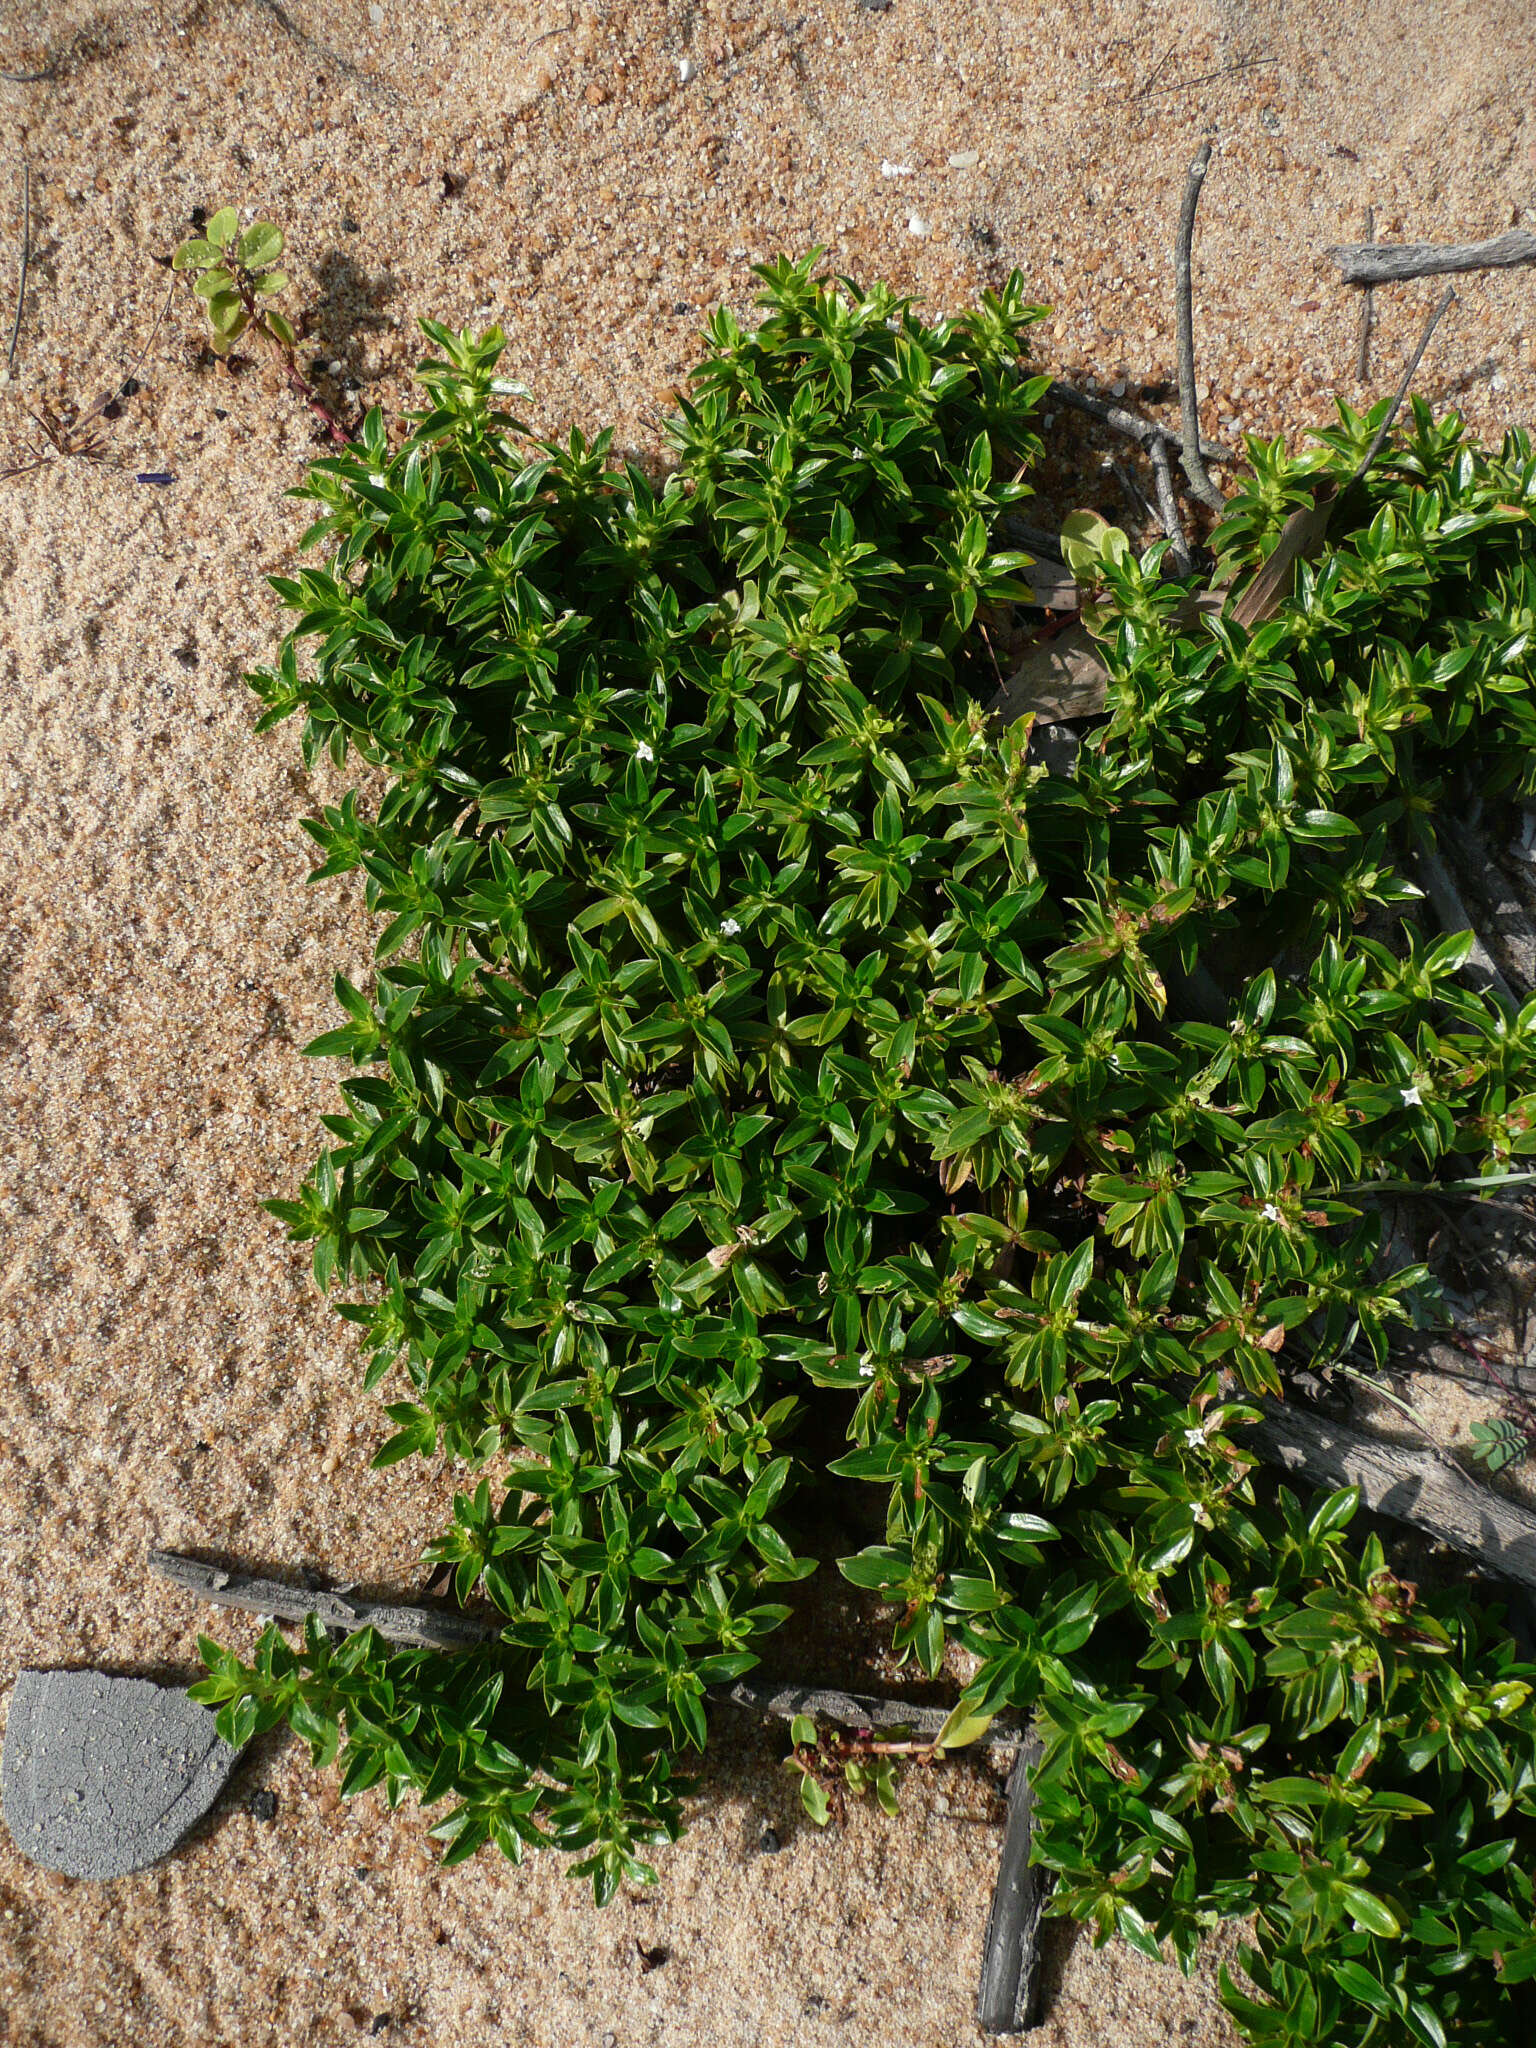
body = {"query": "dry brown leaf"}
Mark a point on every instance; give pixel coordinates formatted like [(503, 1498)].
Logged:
[(1301, 538)]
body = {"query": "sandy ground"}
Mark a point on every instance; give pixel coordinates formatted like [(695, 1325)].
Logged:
[(167, 1374)]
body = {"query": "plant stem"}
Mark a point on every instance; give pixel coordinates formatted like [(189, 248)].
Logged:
[(341, 436)]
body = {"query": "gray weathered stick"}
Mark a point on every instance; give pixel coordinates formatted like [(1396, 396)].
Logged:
[(1168, 507), (436, 1628), (1194, 467), (856, 1710), (1429, 1492), (1367, 307), (1145, 433), (1383, 263), (1447, 298), (1425, 1351), (1481, 968), (1007, 2001)]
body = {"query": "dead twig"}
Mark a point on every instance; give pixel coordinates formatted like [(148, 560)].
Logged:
[(1168, 507), (1401, 393), (1423, 1488), (1371, 263), (1481, 968), (1145, 433), (435, 1628), (80, 437), (1194, 467), (1205, 78), (1367, 308), (21, 282), (1008, 1998), (1303, 534), (563, 30), (1132, 492), (859, 1710)]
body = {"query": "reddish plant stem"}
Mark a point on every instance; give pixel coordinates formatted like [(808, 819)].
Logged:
[(340, 435)]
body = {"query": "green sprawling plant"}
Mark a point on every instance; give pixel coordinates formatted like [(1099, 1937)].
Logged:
[(762, 1037)]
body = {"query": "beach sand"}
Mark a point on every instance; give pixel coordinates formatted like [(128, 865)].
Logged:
[(168, 1375)]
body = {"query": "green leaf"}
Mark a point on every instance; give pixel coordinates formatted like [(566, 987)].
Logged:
[(260, 245), (963, 1727), (813, 1797), (1368, 1911)]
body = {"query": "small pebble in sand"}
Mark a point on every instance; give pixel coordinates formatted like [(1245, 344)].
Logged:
[(263, 1805), (890, 170), (918, 226), (375, 13), (965, 160), (687, 70), (768, 1842)]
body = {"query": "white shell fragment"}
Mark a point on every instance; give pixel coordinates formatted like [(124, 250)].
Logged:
[(965, 160), (890, 170), (687, 70), (918, 226)]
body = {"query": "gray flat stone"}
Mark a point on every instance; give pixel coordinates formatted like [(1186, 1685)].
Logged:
[(101, 1775)]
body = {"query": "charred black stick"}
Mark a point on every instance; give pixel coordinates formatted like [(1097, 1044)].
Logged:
[(1007, 2001)]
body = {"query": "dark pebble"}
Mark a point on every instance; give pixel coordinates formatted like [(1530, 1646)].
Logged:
[(349, 225), (382, 2022), (768, 1842), (874, 6), (264, 1805)]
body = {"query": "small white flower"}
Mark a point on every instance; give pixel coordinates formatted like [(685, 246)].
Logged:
[(1411, 1098), (376, 480), (643, 751), (729, 926), (1195, 1438), (483, 514), (1270, 1213), (866, 1366)]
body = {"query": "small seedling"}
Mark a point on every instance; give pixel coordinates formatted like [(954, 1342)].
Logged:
[(237, 275), (825, 1763)]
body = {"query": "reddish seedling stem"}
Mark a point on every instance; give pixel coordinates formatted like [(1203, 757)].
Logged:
[(296, 378)]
